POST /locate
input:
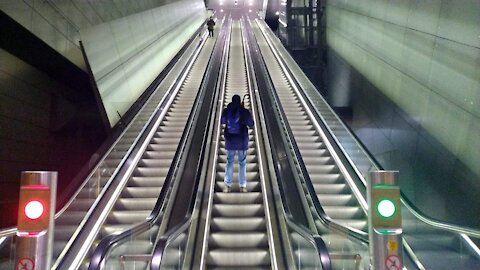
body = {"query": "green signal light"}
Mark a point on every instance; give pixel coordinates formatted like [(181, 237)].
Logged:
[(386, 208)]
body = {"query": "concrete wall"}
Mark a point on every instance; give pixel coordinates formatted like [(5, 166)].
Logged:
[(127, 54), (57, 22), (39, 130), (413, 70)]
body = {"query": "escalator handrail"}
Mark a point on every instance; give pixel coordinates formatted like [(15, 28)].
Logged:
[(103, 249), (376, 165), (163, 242), (314, 239)]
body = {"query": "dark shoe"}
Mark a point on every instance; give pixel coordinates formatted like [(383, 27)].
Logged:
[(227, 189), (243, 189)]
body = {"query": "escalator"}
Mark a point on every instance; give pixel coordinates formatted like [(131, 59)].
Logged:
[(236, 235), (237, 230), (143, 180), (429, 244), (131, 248), (330, 184)]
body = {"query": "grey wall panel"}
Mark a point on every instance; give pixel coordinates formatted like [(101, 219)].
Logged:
[(422, 58), (127, 54), (57, 22)]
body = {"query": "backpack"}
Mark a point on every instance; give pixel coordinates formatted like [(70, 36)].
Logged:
[(233, 122)]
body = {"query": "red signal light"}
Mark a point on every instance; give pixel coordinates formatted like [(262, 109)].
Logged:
[(34, 209)]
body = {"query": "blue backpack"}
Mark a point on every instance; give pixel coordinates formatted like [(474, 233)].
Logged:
[(233, 122)]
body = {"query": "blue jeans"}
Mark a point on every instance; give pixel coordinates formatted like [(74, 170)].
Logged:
[(242, 168)]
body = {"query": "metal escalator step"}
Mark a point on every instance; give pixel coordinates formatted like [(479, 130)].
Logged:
[(159, 154), (139, 181), (252, 186), (162, 147), (238, 257), (238, 224), (141, 192), (300, 117), (337, 200), (310, 145), (155, 162), (307, 139), (318, 168), (166, 139), (127, 217), (176, 118), (235, 210), (251, 176), (180, 110), (294, 112), (325, 160), (301, 124), (172, 129), (331, 178), (314, 152), (238, 198), (135, 203), (321, 189), (238, 240), (147, 171), (303, 133)]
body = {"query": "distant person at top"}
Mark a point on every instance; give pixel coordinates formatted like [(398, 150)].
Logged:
[(210, 26), (237, 119)]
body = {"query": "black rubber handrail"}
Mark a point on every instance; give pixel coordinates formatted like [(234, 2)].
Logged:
[(103, 249)]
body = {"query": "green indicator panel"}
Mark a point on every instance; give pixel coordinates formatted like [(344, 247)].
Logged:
[(386, 200)]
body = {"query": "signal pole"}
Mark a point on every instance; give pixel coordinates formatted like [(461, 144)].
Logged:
[(35, 224), (385, 221)]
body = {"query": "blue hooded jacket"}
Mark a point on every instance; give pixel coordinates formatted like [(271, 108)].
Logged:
[(237, 141)]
